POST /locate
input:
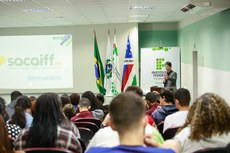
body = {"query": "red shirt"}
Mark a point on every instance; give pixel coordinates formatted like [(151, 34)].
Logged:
[(152, 109), (83, 114)]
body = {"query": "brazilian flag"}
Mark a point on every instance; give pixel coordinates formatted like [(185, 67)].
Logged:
[(99, 70)]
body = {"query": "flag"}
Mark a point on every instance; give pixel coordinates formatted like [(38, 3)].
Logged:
[(116, 79), (108, 68), (99, 71), (128, 76)]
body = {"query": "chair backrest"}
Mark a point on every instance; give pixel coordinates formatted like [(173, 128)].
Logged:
[(86, 135), (213, 150), (46, 150), (92, 120), (170, 133), (160, 127), (82, 144), (89, 125)]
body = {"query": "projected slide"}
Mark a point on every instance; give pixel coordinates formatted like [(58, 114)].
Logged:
[(36, 62)]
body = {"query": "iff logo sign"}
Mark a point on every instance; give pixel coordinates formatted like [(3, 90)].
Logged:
[(160, 63), (2, 60)]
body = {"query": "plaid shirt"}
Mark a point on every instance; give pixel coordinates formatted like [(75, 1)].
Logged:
[(66, 139)]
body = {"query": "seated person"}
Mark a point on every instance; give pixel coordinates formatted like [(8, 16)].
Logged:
[(22, 114), (127, 112), (168, 107), (151, 100), (84, 110), (69, 111), (96, 106), (74, 98), (10, 107), (50, 128), (207, 124), (182, 98)]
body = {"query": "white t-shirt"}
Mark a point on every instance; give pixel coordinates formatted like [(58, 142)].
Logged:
[(188, 146), (175, 120), (106, 137)]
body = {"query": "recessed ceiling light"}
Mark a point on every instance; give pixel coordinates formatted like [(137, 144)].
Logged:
[(136, 21), (139, 16), (141, 7), (38, 10)]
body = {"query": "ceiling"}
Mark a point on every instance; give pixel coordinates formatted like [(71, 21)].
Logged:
[(31, 13)]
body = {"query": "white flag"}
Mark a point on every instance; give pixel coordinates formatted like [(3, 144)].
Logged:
[(108, 68), (116, 79)]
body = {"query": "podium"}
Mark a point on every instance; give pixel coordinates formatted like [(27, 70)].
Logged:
[(156, 88)]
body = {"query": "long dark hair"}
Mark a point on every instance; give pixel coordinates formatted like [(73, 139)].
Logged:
[(5, 144), (95, 104), (18, 118), (47, 117)]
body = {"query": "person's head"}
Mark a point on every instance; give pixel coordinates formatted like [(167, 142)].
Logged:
[(65, 100), (135, 89), (74, 98), (157, 95), (150, 98), (15, 94), (101, 98), (84, 104), (127, 112), (5, 143), (23, 104), (208, 116), (48, 116), (168, 66), (95, 104), (182, 97), (69, 111), (166, 97)]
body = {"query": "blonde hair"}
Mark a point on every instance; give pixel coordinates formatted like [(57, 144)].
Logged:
[(208, 116)]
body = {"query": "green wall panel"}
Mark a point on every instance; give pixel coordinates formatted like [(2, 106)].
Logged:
[(211, 37)]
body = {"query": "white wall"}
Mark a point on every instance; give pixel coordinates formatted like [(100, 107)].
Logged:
[(83, 51), (209, 80)]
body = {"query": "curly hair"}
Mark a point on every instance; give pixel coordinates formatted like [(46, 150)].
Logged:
[(208, 116)]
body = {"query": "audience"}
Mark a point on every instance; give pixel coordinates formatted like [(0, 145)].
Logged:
[(74, 98), (84, 110), (127, 128), (10, 107), (207, 124), (182, 99), (151, 100), (69, 111), (50, 128), (127, 114), (22, 114), (96, 106), (167, 107), (5, 143)]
